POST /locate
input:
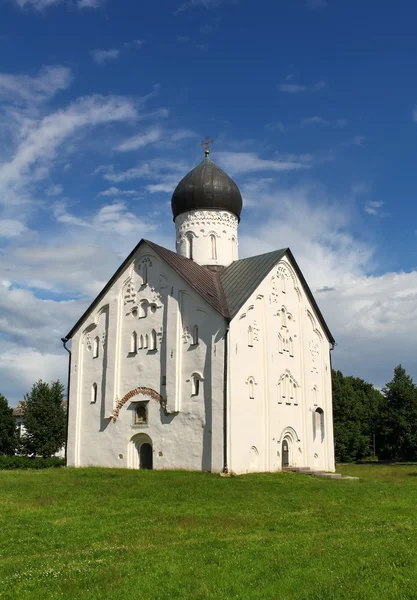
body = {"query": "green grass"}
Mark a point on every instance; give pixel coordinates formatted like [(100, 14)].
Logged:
[(102, 533)]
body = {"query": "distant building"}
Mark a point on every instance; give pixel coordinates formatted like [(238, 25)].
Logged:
[(197, 360)]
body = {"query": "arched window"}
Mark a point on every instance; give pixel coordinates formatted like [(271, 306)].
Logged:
[(283, 317), (234, 248), (213, 249), (291, 346), (96, 347), (195, 335), (318, 423), (145, 274), (251, 383), (134, 342), (250, 336), (295, 393), (189, 246), (141, 342), (280, 345), (146, 342), (195, 384), (143, 309), (153, 345), (141, 414), (94, 393)]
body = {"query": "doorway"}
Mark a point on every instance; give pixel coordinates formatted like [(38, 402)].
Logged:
[(145, 457), (285, 453)]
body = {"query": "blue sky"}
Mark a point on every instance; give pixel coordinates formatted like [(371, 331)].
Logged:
[(313, 108)]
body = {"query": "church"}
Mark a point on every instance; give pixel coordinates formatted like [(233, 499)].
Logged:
[(199, 360)]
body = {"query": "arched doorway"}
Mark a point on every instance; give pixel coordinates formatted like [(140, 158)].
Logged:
[(285, 453), (140, 452), (145, 456)]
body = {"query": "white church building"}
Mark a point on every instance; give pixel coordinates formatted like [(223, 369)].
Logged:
[(197, 360)]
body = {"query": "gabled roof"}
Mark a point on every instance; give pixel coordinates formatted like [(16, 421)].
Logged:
[(225, 290), (240, 279)]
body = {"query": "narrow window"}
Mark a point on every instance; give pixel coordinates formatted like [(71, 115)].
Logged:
[(96, 347), (283, 283), (134, 343), (318, 423), (279, 391), (189, 246), (280, 345), (145, 345), (141, 417), (141, 342), (143, 309), (145, 274), (250, 336), (153, 340), (213, 248), (283, 318), (295, 394), (234, 248), (93, 393), (195, 382), (291, 347), (287, 388), (195, 335), (315, 395), (251, 389)]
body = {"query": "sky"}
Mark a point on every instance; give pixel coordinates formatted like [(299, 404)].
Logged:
[(313, 108)]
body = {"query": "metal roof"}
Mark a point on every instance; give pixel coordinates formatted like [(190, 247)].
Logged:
[(206, 187), (242, 277), (226, 290)]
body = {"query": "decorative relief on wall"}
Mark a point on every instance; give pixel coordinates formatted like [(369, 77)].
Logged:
[(129, 293), (287, 389), (314, 349), (139, 391), (88, 342), (186, 335), (206, 219)]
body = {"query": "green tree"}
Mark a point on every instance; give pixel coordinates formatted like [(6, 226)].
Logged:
[(356, 409), (44, 419), (398, 424), (8, 437)]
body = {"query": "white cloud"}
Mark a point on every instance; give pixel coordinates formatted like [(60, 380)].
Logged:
[(247, 162), (114, 191), (372, 207), (103, 56), (41, 88), (314, 121), (10, 228), (296, 88), (36, 4), (141, 140), (203, 3), (90, 3)]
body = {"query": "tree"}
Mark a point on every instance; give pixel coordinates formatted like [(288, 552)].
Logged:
[(356, 409), (398, 423), (7, 428), (44, 419)]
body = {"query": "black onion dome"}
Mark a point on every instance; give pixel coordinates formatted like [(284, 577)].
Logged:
[(206, 187)]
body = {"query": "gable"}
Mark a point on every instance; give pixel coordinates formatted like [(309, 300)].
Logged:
[(242, 277), (205, 282)]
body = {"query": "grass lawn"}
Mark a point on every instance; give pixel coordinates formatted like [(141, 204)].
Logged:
[(104, 533)]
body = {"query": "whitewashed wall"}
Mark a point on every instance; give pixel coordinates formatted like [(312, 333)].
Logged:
[(186, 431), (288, 348)]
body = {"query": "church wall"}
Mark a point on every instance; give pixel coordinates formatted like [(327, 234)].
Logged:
[(149, 356), (279, 376)]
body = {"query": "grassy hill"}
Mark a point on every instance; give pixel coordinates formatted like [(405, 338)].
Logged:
[(101, 533)]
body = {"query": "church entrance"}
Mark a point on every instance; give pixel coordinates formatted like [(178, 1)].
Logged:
[(285, 453), (145, 457)]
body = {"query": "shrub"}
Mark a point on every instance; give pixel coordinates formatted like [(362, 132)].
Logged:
[(23, 462)]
